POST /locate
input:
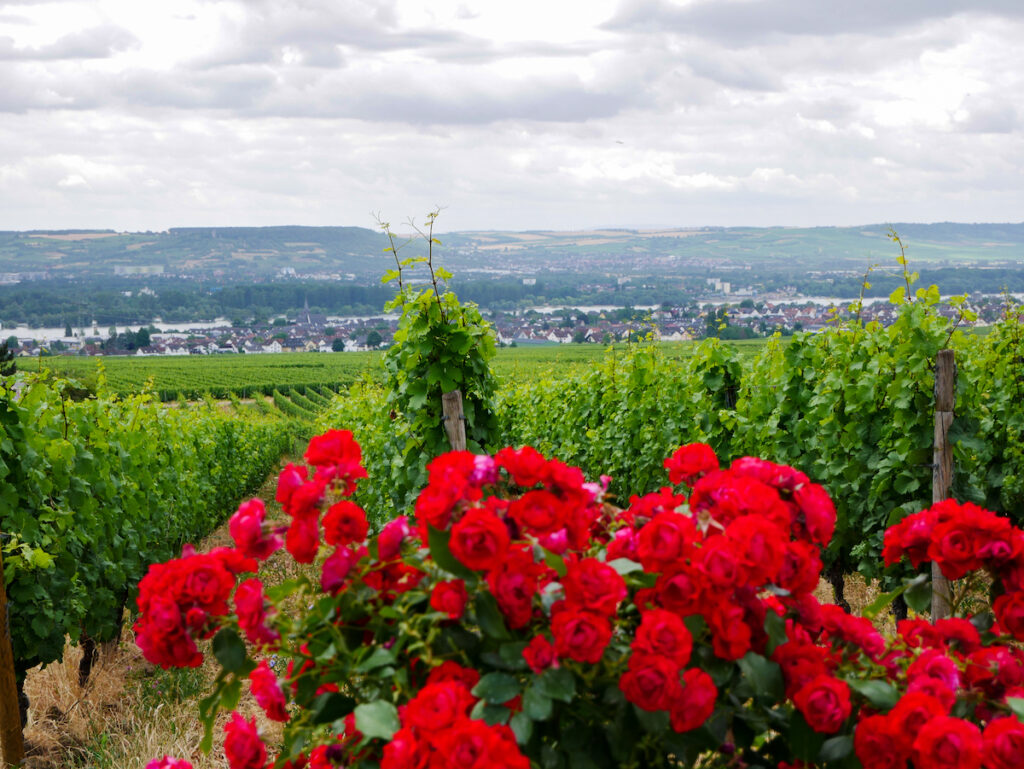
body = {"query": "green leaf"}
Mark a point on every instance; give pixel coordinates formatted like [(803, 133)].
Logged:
[(536, 704), (625, 566), (440, 551), (898, 296), (919, 597), (377, 659), (836, 748), (229, 650), (377, 719), (555, 561), (331, 706), (881, 694), (522, 727), (1016, 705), (775, 627), (488, 616), (764, 675), (231, 694), (558, 684), (496, 688)]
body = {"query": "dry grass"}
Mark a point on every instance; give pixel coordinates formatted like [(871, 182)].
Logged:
[(131, 711)]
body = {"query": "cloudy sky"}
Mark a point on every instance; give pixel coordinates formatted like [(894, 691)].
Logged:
[(556, 114)]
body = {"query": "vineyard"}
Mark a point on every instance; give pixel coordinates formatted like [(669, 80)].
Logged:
[(220, 376), (100, 479)]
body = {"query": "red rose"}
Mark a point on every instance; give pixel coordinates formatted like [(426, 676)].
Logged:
[(345, 523), (910, 714), (1003, 744), (267, 691), (449, 597), (730, 635), (663, 633), (290, 479), (469, 745), (580, 635), (801, 566), (1009, 610), (681, 590), (824, 702), (720, 563), (405, 752), (800, 662), (910, 537), (876, 745), (540, 655), (303, 537), (480, 539), (590, 584), (391, 537), (438, 706), (167, 762), (453, 671), (242, 745), (945, 742), (336, 568), (651, 683), (252, 614), (514, 584), (665, 540), (696, 703), (526, 466), (817, 513), (690, 462), (760, 547), (539, 512), (246, 527)]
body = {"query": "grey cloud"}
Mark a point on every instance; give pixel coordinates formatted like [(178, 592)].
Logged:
[(96, 43), (746, 20), (988, 114)]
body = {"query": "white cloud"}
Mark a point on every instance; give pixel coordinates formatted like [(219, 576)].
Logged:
[(535, 114)]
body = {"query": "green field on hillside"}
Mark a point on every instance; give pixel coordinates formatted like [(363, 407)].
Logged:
[(245, 375)]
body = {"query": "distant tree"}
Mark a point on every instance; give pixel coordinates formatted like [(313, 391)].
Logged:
[(280, 322), (112, 332), (67, 330), (7, 364), (579, 337), (11, 343), (142, 338), (747, 304), (338, 345), (330, 330), (373, 340)]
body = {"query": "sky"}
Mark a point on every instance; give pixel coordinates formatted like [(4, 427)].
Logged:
[(534, 114)]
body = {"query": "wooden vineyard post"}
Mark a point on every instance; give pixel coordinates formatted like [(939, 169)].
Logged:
[(942, 465), (11, 742), (454, 419)]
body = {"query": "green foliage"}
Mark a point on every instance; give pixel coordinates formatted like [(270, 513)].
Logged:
[(94, 490), (440, 345)]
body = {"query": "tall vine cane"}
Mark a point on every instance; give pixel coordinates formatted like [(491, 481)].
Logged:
[(11, 740)]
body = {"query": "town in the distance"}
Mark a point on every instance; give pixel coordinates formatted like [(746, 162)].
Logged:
[(252, 290)]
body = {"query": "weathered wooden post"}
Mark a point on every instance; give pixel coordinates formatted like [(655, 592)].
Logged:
[(454, 419), (942, 465), (11, 741)]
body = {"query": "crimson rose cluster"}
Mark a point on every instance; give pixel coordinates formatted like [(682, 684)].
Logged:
[(520, 618)]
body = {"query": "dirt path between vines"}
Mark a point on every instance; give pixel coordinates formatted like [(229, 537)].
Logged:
[(131, 711)]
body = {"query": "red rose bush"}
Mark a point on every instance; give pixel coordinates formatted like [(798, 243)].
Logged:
[(517, 618)]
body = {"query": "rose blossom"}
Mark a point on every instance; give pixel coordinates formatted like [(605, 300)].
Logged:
[(449, 597), (824, 702), (242, 745)]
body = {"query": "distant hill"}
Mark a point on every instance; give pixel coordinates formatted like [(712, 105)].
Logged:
[(232, 254)]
